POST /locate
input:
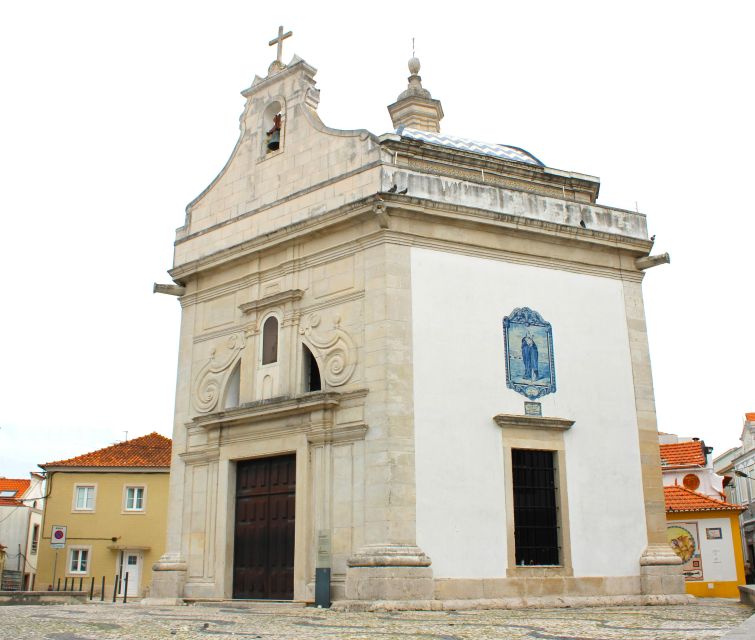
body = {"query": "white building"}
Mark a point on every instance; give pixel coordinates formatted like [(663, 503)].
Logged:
[(738, 464), (21, 507), (416, 359)]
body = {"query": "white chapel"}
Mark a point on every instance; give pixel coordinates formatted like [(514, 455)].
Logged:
[(414, 359)]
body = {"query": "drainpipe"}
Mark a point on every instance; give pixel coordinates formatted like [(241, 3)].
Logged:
[(746, 547), (742, 474)]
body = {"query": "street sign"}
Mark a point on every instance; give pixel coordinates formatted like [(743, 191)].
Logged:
[(58, 537)]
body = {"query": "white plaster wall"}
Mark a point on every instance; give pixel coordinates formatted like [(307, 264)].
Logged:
[(717, 555), (711, 484), (13, 529), (458, 305)]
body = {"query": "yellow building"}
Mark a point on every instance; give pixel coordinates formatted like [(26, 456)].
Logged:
[(705, 533), (105, 516), (701, 527)]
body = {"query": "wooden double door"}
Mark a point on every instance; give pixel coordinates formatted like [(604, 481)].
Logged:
[(263, 551)]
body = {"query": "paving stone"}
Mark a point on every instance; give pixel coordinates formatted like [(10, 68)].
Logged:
[(702, 620)]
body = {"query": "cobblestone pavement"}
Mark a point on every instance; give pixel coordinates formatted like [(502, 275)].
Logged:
[(701, 620)]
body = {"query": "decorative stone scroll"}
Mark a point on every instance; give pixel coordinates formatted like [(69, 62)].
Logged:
[(211, 379), (335, 351)]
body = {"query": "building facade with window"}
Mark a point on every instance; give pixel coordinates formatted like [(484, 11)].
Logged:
[(109, 508), (21, 505), (415, 359), (738, 466)]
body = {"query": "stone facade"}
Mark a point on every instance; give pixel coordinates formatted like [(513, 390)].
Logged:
[(323, 234)]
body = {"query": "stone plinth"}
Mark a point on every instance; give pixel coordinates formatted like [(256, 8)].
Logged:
[(168, 580), (661, 571), (389, 572)]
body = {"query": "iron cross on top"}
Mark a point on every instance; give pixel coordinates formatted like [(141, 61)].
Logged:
[(279, 41)]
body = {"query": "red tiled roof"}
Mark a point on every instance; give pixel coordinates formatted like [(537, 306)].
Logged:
[(683, 453), (750, 417), (152, 450), (13, 484), (680, 499)]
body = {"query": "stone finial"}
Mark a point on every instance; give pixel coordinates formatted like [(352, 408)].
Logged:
[(415, 107)]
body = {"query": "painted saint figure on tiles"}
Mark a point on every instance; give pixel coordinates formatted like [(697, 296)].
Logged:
[(529, 357), (528, 345)]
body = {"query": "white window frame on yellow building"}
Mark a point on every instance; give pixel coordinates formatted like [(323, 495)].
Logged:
[(125, 508), (84, 485), (69, 560)]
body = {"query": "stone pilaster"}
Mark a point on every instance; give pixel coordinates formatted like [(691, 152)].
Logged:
[(169, 573), (660, 567), (389, 566)]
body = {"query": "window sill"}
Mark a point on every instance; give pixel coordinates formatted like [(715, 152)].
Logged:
[(270, 154), (539, 571)]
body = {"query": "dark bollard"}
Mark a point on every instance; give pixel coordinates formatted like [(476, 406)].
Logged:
[(102, 591), (91, 589), (125, 588), (115, 587), (57, 588), (322, 588)]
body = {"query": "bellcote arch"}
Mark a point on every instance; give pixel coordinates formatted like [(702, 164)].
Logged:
[(272, 128)]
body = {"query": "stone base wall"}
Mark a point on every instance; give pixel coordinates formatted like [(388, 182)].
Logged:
[(536, 602), (389, 583), (662, 579), (516, 593), (43, 597), (494, 588)]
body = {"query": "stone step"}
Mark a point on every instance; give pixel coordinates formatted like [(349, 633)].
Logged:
[(259, 605)]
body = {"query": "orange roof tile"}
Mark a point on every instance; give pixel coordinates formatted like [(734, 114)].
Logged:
[(152, 450), (750, 417), (680, 499), (16, 485), (683, 453)]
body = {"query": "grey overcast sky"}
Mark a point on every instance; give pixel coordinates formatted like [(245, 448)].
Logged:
[(114, 115)]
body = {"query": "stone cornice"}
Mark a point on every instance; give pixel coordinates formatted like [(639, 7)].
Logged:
[(527, 177), (351, 247), (199, 457), (511, 421), (275, 408), (286, 234), (331, 434), (282, 297), (318, 306), (297, 66), (354, 212), (559, 231)]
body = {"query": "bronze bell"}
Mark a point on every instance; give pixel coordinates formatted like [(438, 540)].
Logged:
[(274, 142)]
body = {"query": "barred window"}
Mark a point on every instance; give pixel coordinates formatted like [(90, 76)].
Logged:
[(535, 507)]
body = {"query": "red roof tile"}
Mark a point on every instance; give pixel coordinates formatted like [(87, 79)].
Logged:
[(152, 450), (680, 499), (683, 453), (16, 485)]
